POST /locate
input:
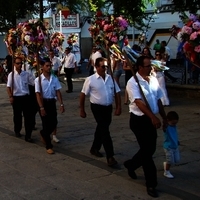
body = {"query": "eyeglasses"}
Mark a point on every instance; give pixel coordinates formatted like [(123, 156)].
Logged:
[(18, 63)]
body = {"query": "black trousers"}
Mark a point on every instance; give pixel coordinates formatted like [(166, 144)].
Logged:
[(35, 107), (22, 105), (91, 71), (68, 74), (146, 135), (103, 117), (49, 121)]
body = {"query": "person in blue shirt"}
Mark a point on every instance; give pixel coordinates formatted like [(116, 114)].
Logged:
[(171, 143)]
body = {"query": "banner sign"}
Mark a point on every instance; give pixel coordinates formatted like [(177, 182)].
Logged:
[(71, 21)]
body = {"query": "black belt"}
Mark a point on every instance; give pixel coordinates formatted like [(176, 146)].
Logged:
[(49, 100), (101, 105), (22, 95)]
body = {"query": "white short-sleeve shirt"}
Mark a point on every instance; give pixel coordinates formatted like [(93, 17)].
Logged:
[(101, 91), (95, 55), (151, 91), (21, 82), (49, 87), (69, 61), (56, 63)]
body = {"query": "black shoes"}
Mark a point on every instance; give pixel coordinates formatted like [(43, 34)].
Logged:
[(131, 172), (18, 135), (174, 80), (152, 192), (96, 153), (29, 140), (111, 162)]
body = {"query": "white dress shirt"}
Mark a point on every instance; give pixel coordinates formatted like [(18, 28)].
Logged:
[(94, 56), (30, 69), (168, 52), (101, 91), (69, 60), (56, 63), (151, 91), (21, 82), (49, 87)]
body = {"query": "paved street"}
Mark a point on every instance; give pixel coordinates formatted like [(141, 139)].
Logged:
[(72, 173)]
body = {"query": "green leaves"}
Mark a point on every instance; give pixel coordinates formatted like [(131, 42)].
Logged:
[(187, 5)]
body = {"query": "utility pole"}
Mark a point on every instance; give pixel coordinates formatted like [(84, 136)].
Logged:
[(41, 10)]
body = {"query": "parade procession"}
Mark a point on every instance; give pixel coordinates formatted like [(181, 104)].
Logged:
[(100, 105)]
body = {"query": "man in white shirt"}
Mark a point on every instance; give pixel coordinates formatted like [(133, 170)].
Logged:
[(102, 90), (47, 88), (144, 122), (30, 67), (56, 67), (69, 64), (96, 55), (19, 95), (90, 64), (56, 63)]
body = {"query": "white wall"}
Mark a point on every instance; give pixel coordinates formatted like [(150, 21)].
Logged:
[(84, 30), (163, 21), (166, 21)]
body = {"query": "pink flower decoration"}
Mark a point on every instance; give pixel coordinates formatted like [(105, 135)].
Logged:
[(197, 49), (190, 34), (103, 23), (107, 28), (193, 36), (114, 39), (187, 30)]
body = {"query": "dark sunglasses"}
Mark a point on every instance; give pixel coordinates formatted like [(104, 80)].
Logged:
[(104, 66), (157, 54), (18, 63), (148, 66)]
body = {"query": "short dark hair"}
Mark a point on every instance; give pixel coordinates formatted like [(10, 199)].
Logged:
[(140, 61), (68, 48), (44, 60), (19, 58), (136, 47), (172, 115), (164, 42), (98, 60)]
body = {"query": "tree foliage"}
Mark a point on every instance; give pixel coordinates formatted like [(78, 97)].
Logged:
[(134, 10), (10, 10), (186, 5)]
